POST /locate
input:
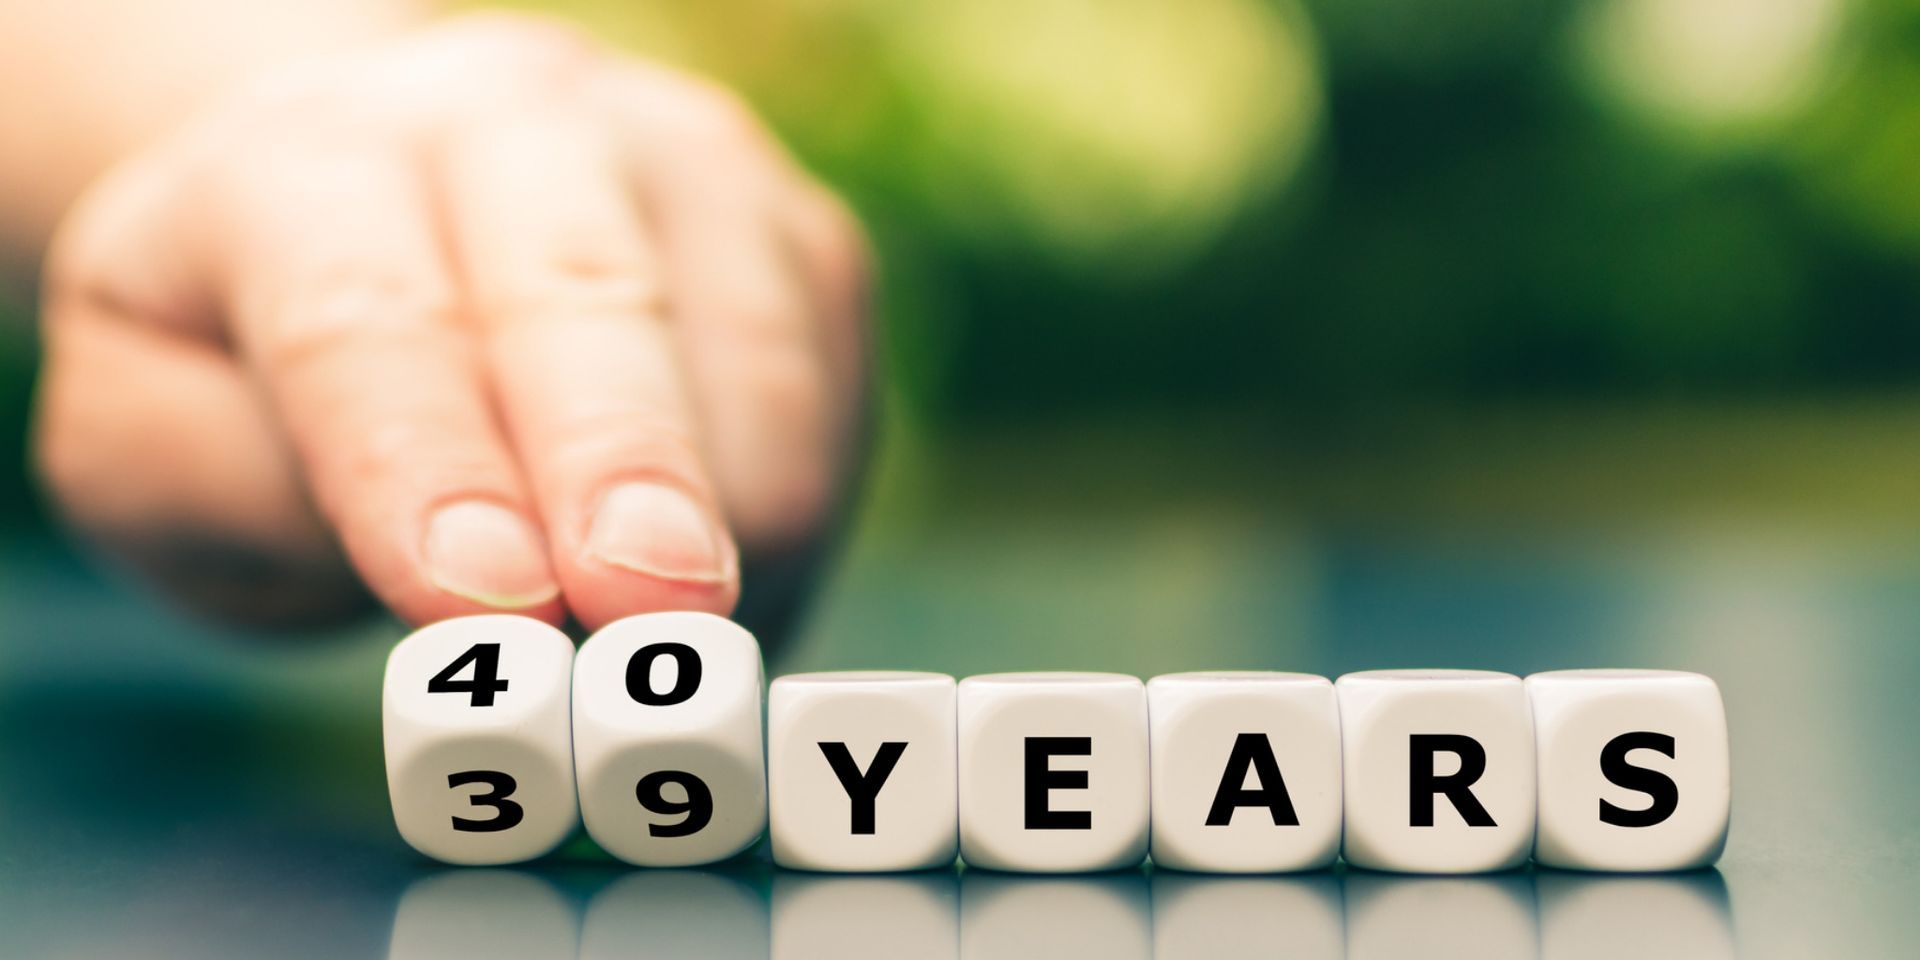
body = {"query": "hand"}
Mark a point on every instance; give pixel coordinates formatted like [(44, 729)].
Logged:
[(487, 319)]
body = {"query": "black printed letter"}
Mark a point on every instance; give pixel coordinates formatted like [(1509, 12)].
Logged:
[(1423, 786), (1041, 779), (1653, 783), (1252, 750), (862, 788)]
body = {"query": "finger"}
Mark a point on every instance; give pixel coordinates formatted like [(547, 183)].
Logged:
[(136, 384), (218, 517), (773, 391), (568, 288), (833, 257), (343, 303)]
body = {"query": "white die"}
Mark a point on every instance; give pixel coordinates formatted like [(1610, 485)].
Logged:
[(1634, 769), (1198, 917), (861, 770), (1411, 743), (667, 740), (1246, 771), (1053, 772), (913, 915), (479, 757)]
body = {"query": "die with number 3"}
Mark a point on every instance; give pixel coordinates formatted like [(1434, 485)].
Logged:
[(479, 745)]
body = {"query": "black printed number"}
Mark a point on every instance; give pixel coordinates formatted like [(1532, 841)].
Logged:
[(686, 679), (486, 681), (507, 814), (698, 806)]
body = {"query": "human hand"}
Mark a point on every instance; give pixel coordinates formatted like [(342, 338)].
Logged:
[(487, 318)]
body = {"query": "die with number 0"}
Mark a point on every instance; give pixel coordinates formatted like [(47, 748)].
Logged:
[(667, 739)]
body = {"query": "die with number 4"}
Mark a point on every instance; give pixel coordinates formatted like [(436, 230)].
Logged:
[(479, 755)]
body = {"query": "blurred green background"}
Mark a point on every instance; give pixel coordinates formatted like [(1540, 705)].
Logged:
[(1178, 286), (1287, 214)]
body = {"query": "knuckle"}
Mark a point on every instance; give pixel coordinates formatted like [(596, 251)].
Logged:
[(353, 308), (77, 268), (114, 268), (429, 448), (635, 444), (576, 290), (580, 276), (109, 229)]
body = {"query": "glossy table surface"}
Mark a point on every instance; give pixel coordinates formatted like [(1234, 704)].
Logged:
[(170, 791)]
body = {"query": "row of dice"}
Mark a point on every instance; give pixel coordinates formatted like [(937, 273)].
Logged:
[(500, 739)]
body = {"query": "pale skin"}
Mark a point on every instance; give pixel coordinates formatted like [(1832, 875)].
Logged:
[(474, 315)]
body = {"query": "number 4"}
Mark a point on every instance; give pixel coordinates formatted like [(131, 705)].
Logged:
[(486, 681)]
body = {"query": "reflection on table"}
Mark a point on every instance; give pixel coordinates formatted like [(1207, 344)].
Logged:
[(746, 910)]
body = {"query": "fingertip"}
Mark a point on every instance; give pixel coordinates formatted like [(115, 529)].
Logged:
[(651, 547), (479, 556), (605, 600), (422, 607), (487, 553), (660, 532)]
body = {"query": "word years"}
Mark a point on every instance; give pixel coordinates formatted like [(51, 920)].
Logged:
[(501, 740)]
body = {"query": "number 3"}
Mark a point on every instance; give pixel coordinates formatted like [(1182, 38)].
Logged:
[(509, 813)]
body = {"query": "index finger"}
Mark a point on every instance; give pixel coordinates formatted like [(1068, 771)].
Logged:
[(569, 289)]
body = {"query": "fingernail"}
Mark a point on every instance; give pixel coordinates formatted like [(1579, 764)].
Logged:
[(657, 530), (488, 554)]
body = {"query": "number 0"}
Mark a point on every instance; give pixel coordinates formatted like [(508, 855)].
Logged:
[(640, 674)]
